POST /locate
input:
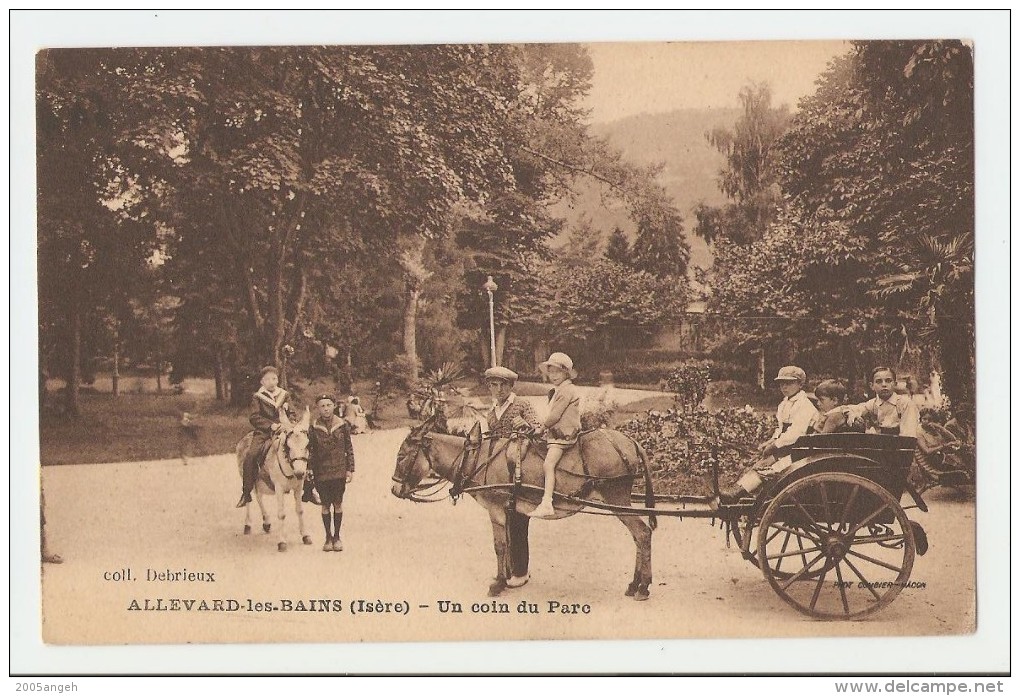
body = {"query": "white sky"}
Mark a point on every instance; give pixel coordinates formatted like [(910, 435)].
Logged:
[(634, 78)]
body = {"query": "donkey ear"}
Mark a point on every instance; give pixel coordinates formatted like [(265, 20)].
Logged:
[(306, 419), (285, 419), (475, 434)]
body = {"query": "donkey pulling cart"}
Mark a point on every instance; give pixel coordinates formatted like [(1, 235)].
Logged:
[(830, 535)]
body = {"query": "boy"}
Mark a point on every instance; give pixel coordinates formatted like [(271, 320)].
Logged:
[(508, 414), (795, 414), (266, 406), (561, 427), (831, 417), (332, 462), (896, 413)]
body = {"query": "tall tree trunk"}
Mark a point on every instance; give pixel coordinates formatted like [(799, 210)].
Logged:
[(483, 346), (410, 327), (238, 395), (218, 376), (74, 379), (500, 343), (116, 363), (159, 368)]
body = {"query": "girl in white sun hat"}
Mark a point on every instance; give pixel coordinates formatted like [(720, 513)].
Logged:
[(562, 426)]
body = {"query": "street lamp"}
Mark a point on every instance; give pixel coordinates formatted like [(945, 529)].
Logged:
[(491, 287)]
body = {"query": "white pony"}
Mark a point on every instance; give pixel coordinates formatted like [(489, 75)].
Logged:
[(282, 472)]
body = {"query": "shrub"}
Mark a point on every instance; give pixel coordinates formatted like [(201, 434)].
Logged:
[(689, 385), (680, 444)]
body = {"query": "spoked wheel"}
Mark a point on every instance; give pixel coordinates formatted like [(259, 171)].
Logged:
[(835, 546)]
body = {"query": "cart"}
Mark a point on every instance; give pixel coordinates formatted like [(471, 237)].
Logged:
[(831, 535)]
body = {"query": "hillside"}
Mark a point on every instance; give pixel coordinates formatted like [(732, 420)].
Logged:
[(692, 164)]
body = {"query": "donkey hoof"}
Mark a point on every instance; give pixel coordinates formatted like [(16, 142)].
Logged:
[(266, 527), (282, 546), (306, 540), (641, 594), (496, 588), (247, 529), (631, 589)]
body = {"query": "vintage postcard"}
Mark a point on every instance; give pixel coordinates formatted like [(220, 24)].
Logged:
[(492, 341)]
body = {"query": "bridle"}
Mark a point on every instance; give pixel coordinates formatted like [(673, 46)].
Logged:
[(283, 455), (432, 485)]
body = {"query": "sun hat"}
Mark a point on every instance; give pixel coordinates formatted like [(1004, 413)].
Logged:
[(791, 373), (560, 360)]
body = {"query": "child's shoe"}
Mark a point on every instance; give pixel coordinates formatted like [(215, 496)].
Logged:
[(544, 510)]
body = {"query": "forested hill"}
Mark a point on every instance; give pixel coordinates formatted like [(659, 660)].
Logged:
[(692, 165)]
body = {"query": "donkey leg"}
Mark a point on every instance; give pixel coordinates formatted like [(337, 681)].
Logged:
[(281, 516), (300, 508), (247, 518), (260, 499), (499, 541), (638, 588)]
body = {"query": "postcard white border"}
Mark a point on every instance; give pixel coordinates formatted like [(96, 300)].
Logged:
[(987, 650)]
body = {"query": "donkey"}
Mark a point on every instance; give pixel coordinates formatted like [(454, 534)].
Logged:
[(480, 468), (282, 472)]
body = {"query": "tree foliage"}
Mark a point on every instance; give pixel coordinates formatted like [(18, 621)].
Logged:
[(750, 178)]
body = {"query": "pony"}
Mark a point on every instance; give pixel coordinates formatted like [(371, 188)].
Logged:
[(600, 469), (282, 472)]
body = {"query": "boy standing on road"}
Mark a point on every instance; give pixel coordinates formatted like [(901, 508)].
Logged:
[(331, 459)]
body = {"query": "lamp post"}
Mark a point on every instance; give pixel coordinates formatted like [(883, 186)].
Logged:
[(491, 287)]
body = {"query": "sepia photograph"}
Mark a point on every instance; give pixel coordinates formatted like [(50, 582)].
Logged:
[(407, 342)]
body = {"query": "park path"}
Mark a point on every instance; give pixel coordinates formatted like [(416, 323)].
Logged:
[(104, 518)]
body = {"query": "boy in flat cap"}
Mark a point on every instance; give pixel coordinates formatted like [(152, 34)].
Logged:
[(266, 406), (795, 414), (331, 459), (510, 415)]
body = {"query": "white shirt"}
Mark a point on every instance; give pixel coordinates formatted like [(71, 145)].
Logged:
[(799, 412), (499, 410), (900, 410)]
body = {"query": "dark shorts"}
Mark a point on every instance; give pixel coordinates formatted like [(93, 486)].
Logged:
[(331, 492)]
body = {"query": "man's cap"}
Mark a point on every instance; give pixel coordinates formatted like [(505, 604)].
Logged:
[(320, 397), (791, 373), (501, 373), (267, 369)]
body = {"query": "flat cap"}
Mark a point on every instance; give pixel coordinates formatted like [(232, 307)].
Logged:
[(501, 373), (791, 373)]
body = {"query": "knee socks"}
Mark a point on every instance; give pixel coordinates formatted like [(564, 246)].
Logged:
[(325, 524), (338, 517)]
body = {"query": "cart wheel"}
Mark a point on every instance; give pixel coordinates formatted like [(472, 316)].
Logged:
[(835, 546)]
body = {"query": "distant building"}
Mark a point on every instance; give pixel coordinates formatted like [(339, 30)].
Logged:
[(688, 334)]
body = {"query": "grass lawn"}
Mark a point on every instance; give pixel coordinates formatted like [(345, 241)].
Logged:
[(146, 426), (139, 427)]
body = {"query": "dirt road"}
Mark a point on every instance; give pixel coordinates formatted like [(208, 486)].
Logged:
[(157, 517)]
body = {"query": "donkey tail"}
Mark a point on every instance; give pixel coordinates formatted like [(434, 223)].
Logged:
[(649, 493)]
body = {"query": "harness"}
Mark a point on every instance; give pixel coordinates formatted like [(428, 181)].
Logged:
[(283, 455), (469, 463)]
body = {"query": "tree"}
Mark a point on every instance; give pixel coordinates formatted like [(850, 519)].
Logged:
[(750, 178), (618, 247), (93, 238), (886, 148), (587, 305), (660, 247)]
